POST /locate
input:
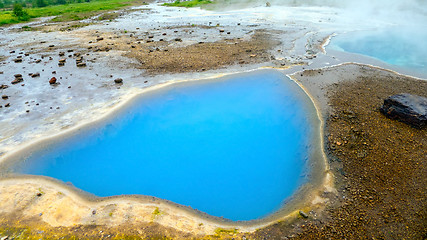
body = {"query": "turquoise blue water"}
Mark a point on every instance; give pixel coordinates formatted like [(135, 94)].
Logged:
[(400, 46), (233, 148)]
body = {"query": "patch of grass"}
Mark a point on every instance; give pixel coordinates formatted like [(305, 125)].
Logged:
[(222, 231), (67, 12), (191, 3)]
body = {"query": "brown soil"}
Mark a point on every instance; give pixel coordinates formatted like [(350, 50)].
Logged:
[(380, 166), (18, 228), (205, 56)]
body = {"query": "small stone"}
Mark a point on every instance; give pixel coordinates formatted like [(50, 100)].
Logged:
[(53, 72), (70, 50), (99, 38), (81, 64), (27, 111), (16, 81), (52, 45), (61, 64), (62, 60), (303, 214), (61, 54), (118, 80), (17, 75), (1, 72), (221, 30), (93, 212), (17, 60), (5, 97), (3, 86), (35, 75), (151, 36), (178, 39), (38, 60), (7, 105), (52, 80)]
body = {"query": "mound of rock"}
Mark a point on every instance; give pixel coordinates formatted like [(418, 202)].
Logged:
[(407, 108)]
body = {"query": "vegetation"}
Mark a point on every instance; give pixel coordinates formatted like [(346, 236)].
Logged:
[(66, 12), (191, 3)]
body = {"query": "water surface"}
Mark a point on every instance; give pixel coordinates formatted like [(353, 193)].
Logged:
[(234, 148), (401, 46)]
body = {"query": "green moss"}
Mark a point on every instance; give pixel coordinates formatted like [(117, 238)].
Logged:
[(191, 3), (221, 231)]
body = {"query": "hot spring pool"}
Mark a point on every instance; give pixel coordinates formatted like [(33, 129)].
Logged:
[(234, 147), (403, 47)]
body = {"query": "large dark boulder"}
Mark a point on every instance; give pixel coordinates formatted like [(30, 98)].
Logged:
[(407, 108)]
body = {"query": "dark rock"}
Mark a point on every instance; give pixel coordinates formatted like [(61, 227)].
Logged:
[(35, 75), (81, 64), (70, 50), (5, 97), (61, 54), (52, 80), (99, 38), (407, 108), (118, 80), (221, 30), (17, 60), (61, 64), (17, 80), (39, 194), (7, 105), (38, 60), (178, 39), (17, 75), (303, 214), (3, 86), (62, 60), (51, 45)]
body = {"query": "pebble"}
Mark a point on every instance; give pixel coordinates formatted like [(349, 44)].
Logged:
[(38, 60), (178, 39), (99, 39), (118, 80), (5, 97), (303, 214), (7, 105), (17, 75), (3, 86), (17, 60), (52, 80), (35, 75), (62, 60), (81, 64)]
